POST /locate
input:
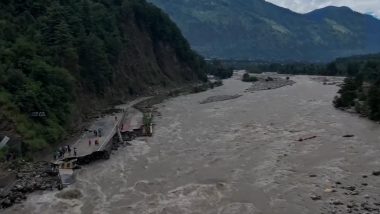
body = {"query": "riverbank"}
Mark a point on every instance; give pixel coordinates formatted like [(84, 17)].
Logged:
[(29, 177), (44, 176)]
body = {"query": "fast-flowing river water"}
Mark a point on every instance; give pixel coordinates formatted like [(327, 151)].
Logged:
[(238, 156)]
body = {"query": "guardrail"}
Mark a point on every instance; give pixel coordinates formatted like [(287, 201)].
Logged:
[(113, 132)]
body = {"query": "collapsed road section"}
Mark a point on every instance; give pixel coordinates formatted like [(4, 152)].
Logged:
[(105, 135)]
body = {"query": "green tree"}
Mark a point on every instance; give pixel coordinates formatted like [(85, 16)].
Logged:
[(95, 68), (347, 94), (374, 101)]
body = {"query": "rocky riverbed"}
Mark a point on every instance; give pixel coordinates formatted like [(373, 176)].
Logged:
[(356, 195), (30, 177), (269, 82), (220, 98), (338, 81)]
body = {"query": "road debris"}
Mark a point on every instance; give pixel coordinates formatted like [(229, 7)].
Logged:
[(308, 138)]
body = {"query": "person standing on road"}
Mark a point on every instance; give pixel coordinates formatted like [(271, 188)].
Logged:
[(75, 151), (61, 152), (89, 142), (69, 149)]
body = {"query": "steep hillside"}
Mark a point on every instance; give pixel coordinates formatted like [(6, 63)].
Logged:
[(62, 59), (365, 29), (256, 29)]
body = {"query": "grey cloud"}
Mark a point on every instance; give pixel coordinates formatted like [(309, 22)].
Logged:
[(304, 6)]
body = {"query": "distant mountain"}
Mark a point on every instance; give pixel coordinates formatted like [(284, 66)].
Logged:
[(256, 29)]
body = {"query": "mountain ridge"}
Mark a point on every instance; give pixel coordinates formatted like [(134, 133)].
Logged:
[(257, 29)]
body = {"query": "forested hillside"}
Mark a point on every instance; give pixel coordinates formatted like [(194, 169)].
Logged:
[(62, 59), (348, 66)]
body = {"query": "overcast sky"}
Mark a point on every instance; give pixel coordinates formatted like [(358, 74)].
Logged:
[(303, 6)]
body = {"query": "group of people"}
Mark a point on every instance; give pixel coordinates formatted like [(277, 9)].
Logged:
[(97, 133), (60, 153), (96, 142), (63, 150)]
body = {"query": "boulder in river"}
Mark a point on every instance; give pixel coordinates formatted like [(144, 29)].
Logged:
[(315, 197)]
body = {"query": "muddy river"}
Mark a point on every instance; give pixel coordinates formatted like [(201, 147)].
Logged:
[(237, 156)]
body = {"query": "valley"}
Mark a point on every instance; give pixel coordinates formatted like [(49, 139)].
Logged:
[(188, 107)]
